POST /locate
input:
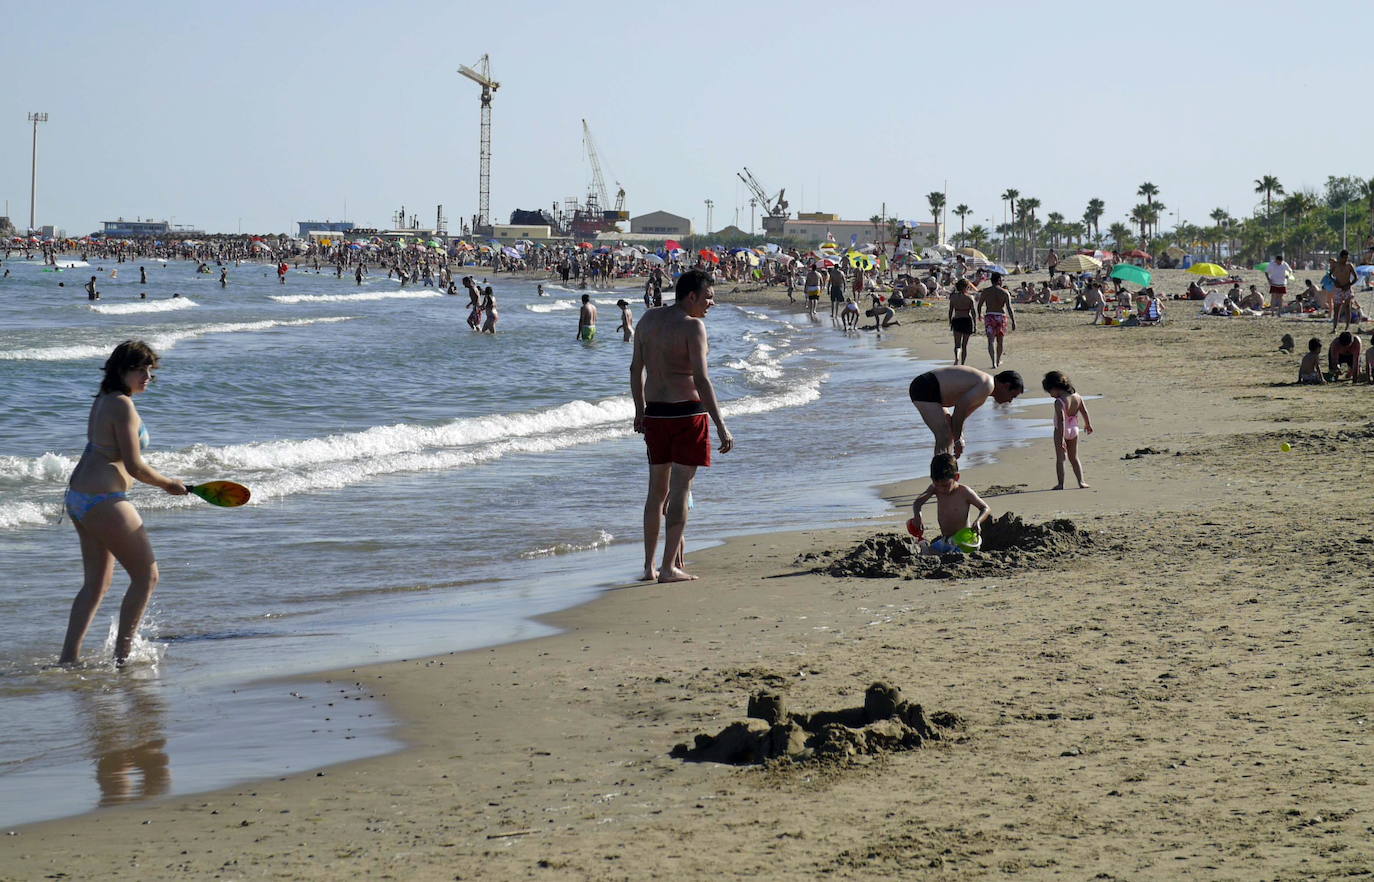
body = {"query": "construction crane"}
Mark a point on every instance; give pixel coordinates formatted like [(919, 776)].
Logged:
[(598, 192), (775, 207), (482, 77)]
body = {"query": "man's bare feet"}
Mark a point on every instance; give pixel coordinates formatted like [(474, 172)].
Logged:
[(674, 574), (1057, 487), (1083, 486), (650, 574)]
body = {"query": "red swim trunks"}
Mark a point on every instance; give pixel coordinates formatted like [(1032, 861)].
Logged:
[(995, 324), (677, 432)]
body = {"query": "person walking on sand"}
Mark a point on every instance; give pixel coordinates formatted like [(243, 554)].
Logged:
[(586, 320), (673, 398), (963, 389), (835, 278), (1069, 410), (1343, 276), (961, 308), (994, 306), (1278, 273), (812, 289), (106, 522)]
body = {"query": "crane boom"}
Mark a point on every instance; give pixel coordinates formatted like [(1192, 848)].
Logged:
[(775, 206), (598, 183)]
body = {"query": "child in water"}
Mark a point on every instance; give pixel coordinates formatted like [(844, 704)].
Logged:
[(1069, 409), (953, 502), (627, 321)]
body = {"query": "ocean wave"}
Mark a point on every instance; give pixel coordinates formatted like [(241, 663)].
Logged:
[(601, 541), (354, 298), (168, 305), (552, 306), (159, 340), (276, 469)]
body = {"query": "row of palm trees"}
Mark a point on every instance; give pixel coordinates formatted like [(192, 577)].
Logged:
[(1305, 219)]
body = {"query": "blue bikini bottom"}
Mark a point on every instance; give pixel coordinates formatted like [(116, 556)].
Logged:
[(80, 504)]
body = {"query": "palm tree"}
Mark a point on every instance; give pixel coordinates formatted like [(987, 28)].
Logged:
[(1222, 218), (937, 204), (1149, 191), (1141, 215), (1053, 227), (1120, 235), (1269, 186), (977, 236), (1026, 209), (1096, 208), (1009, 196), (962, 211)]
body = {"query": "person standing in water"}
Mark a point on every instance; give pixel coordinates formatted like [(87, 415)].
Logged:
[(627, 320), (673, 399), (586, 320), (489, 307), (107, 524)]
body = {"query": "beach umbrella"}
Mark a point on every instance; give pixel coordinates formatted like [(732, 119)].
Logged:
[(654, 259), (996, 268), (1133, 274), (973, 252), (1175, 251), (709, 256), (1364, 270), (1138, 254), (672, 245), (1078, 263), (1208, 269), (860, 261)]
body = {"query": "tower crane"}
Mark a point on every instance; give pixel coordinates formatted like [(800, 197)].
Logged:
[(482, 77)]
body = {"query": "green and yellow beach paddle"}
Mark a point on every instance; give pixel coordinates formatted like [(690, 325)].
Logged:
[(227, 494)]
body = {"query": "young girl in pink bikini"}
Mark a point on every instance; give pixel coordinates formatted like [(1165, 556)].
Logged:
[(1069, 411)]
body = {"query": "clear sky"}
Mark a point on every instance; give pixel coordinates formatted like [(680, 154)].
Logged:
[(257, 114)]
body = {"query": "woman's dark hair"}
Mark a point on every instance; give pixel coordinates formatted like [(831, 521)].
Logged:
[(1314, 345), (127, 356), (1056, 380)]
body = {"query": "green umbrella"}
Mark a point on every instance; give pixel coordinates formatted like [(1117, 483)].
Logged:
[(1128, 273), (1262, 266)]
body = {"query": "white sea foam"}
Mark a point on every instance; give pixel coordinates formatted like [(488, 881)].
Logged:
[(601, 541), (274, 469), (159, 340), (168, 305), (552, 306), (354, 298)]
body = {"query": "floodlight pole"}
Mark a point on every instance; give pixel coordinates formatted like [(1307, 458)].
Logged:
[(34, 118)]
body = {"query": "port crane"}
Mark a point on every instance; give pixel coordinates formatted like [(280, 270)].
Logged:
[(774, 206), (481, 75), (598, 191)]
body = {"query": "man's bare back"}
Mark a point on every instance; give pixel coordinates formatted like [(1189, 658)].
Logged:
[(664, 345)]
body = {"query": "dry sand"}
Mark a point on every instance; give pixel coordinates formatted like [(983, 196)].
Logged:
[(1189, 695)]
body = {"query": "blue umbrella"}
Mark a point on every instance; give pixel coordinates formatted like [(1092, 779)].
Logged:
[(996, 268), (1364, 270)]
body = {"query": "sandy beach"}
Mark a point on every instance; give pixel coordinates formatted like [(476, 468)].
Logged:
[(1184, 693)]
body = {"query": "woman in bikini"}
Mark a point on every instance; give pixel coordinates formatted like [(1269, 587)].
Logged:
[(107, 524), (489, 307), (961, 305), (1069, 410)]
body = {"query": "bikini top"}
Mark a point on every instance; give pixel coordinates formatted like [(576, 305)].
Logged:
[(112, 453)]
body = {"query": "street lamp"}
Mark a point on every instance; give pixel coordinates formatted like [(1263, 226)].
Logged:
[(34, 118)]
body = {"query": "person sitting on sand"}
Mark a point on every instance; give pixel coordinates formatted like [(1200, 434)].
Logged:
[(953, 502), (1344, 350), (1253, 300), (1310, 372), (1195, 291)]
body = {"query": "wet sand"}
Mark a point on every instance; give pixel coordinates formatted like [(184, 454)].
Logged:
[(1189, 694)]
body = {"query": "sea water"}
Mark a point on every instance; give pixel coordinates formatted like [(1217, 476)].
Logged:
[(417, 488)]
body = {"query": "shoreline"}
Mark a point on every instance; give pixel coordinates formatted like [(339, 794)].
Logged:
[(564, 764)]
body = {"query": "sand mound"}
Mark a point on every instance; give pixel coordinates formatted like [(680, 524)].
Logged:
[(885, 723), (1008, 543)]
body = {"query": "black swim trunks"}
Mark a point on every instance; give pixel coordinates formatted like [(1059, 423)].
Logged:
[(926, 388), (837, 293), (961, 324)]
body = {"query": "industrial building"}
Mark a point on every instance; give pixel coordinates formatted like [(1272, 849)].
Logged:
[(661, 223), (815, 228), (308, 227), (148, 229)]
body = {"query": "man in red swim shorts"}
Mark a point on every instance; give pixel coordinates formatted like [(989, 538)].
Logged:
[(994, 305), (673, 398)]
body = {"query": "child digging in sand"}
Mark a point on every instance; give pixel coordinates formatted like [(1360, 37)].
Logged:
[(953, 502), (1310, 371), (1069, 410)]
